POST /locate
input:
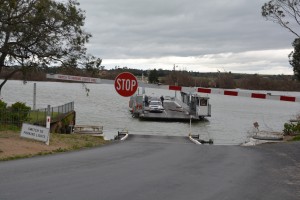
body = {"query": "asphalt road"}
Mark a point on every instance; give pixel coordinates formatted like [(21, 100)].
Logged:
[(157, 168)]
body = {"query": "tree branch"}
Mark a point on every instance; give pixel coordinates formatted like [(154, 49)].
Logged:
[(7, 78)]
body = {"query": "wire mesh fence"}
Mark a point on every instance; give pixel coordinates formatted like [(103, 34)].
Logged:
[(37, 117)]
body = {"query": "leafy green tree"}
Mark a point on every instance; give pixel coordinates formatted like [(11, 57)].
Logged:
[(295, 58), (36, 33), (153, 76), (286, 13)]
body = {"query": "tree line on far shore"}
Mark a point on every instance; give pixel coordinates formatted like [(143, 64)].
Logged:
[(226, 80)]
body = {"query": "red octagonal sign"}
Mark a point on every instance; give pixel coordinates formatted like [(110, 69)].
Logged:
[(126, 84)]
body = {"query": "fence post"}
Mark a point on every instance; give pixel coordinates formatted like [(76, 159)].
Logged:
[(34, 96)]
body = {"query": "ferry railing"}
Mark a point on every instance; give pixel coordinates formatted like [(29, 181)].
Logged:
[(55, 112)]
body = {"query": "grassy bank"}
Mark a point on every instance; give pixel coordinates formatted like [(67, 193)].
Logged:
[(296, 138), (12, 146)]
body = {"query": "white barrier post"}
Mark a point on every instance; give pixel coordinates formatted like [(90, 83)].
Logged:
[(34, 96), (48, 121)]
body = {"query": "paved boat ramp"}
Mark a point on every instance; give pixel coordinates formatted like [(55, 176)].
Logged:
[(189, 139)]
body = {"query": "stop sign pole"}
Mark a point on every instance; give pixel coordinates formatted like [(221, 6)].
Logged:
[(126, 84)]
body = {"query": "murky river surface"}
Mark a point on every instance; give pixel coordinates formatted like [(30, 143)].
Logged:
[(231, 121)]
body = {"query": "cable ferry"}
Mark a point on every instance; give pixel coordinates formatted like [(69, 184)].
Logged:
[(189, 106)]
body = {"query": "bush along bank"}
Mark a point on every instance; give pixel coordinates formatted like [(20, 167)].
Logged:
[(292, 128), (13, 115)]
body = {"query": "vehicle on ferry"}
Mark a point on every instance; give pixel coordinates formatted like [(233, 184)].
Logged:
[(155, 106)]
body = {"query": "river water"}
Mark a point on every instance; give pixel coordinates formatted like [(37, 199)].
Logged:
[(230, 124)]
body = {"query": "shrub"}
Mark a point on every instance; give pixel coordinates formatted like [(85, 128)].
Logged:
[(15, 114), (291, 128), (19, 106), (19, 112), (2, 110), (2, 105)]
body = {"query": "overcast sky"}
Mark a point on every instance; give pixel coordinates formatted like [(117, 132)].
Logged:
[(195, 35)]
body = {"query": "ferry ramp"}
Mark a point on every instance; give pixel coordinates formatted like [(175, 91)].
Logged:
[(158, 139)]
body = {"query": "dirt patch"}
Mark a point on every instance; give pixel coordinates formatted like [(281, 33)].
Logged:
[(16, 146), (13, 146)]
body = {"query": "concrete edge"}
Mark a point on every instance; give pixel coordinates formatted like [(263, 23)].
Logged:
[(254, 142)]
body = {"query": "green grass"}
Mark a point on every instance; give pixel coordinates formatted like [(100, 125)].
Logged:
[(33, 117), (38, 116), (16, 157), (76, 141), (296, 138), (8, 127)]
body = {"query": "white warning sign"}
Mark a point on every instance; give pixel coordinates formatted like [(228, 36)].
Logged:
[(35, 132)]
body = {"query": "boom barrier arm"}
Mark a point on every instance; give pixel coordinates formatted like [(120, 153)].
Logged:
[(236, 93)]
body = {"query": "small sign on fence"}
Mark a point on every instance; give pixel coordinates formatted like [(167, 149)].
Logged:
[(35, 132)]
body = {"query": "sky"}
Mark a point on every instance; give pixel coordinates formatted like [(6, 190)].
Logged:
[(193, 35)]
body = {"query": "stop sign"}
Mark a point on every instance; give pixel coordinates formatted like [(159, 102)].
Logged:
[(126, 84)]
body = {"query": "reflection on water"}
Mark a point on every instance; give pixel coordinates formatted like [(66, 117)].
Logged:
[(232, 117)]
